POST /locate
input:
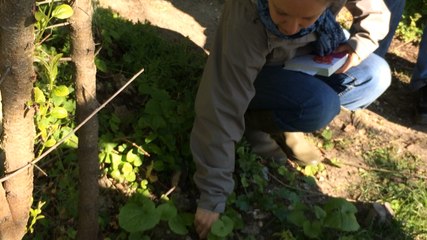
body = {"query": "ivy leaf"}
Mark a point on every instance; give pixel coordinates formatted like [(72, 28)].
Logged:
[(39, 95), (167, 211), (222, 227), (136, 218), (312, 229), (62, 11), (61, 91), (177, 225), (59, 112)]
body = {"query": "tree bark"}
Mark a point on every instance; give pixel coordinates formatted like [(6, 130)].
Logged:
[(16, 67), (83, 55)]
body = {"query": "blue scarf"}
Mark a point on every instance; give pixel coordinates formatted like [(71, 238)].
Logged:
[(329, 33)]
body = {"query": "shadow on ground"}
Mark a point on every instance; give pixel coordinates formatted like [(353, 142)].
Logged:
[(397, 104)]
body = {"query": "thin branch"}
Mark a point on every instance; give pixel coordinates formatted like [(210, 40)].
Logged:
[(170, 191), (46, 2), (58, 25), (63, 59), (392, 172), (21, 169), (295, 188), (137, 146), (41, 170)]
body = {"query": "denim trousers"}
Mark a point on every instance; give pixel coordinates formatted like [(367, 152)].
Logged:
[(396, 10), (305, 103), (419, 75)]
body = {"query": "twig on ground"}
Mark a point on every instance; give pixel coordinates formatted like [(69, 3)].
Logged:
[(381, 170), (294, 188)]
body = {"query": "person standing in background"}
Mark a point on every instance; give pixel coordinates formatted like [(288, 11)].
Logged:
[(418, 82)]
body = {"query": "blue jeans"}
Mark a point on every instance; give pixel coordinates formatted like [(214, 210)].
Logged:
[(304, 103), (419, 76), (396, 9)]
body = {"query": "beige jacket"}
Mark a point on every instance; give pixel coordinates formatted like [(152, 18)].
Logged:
[(242, 47)]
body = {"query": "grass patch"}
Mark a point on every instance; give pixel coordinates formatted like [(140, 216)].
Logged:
[(397, 179)]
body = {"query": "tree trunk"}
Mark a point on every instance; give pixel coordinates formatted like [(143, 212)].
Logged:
[(16, 67), (83, 56)]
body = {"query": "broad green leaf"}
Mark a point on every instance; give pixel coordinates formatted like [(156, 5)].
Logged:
[(137, 162), (126, 168), (136, 218), (116, 174), (312, 229), (297, 217), (62, 11), (39, 95), (101, 65), (177, 225), (50, 142), (59, 112), (167, 211), (130, 177), (222, 227), (121, 148), (319, 212), (61, 91), (341, 215), (132, 157), (40, 16), (72, 141), (116, 160)]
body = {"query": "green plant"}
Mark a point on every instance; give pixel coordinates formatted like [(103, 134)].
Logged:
[(413, 19), (35, 215), (46, 13), (328, 142), (395, 181), (313, 221), (221, 228), (141, 215), (52, 99)]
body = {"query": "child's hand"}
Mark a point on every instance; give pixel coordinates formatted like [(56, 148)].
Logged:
[(203, 221), (352, 59)]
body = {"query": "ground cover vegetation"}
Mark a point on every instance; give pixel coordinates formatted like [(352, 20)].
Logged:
[(147, 190)]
